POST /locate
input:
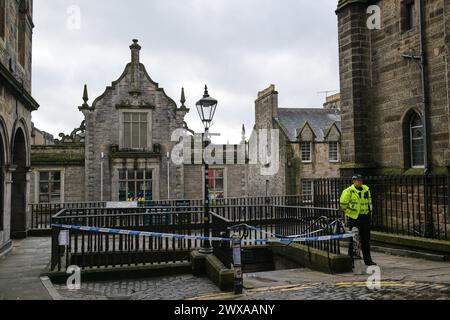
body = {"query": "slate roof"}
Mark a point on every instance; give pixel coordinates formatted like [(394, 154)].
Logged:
[(292, 121)]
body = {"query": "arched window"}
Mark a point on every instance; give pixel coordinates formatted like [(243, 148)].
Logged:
[(417, 141)]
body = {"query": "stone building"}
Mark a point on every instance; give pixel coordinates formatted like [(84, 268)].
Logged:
[(39, 137), (122, 150), (309, 144), (395, 109), (16, 105)]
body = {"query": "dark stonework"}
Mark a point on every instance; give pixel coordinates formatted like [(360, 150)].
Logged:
[(16, 105), (380, 89)]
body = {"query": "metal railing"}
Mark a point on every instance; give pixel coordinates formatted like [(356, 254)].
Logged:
[(41, 213), (88, 249), (97, 250), (403, 205)]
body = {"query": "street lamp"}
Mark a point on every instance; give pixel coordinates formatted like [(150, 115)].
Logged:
[(206, 108)]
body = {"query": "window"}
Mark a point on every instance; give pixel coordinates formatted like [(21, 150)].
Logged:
[(2, 19), (135, 130), (21, 32), (305, 150), (417, 141), (135, 185), (49, 186), (333, 151), (410, 15), (216, 183), (307, 191)]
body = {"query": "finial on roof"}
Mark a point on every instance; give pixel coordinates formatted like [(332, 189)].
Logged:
[(206, 92), (183, 98), (243, 133), (135, 48), (85, 96)]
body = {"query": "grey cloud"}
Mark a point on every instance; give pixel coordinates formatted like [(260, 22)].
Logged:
[(237, 47)]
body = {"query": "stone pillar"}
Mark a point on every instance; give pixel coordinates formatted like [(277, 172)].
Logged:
[(354, 64)]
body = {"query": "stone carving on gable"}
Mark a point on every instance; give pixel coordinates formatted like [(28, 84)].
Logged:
[(76, 136), (135, 100)]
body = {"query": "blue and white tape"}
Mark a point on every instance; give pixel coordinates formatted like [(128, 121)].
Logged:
[(199, 238), (313, 239), (138, 233)]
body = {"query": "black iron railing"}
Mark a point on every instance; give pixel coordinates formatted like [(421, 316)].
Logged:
[(403, 205), (41, 213), (98, 250)]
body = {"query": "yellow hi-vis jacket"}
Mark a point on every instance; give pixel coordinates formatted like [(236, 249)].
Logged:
[(355, 202)]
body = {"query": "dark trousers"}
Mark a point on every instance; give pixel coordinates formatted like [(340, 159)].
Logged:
[(363, 223)]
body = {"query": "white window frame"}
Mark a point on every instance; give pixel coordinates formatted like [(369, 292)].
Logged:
[(310, 151), (309, 195), (338, 153), (411, 141)]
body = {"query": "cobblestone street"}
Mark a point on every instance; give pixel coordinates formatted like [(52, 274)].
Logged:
[(166, 288), (402, 278)]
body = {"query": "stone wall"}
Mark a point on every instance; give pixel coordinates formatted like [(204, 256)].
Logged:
[(67, 159), (260, 184), (134, 91), (16, 105), (380, 88)]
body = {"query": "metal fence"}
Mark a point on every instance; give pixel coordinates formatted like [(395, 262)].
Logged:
[(41, 213), (403, 205), (98, 250)]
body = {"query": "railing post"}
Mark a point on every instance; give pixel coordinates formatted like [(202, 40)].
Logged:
[(237, 264), (429, 227)]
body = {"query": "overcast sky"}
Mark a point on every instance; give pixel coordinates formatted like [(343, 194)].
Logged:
[(237, 47)]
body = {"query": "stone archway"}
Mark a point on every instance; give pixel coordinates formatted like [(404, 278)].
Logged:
[(2, 182), (18, 188)]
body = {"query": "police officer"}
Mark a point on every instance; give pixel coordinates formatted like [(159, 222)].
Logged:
[(356, 201)]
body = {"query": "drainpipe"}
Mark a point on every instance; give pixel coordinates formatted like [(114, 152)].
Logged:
[(429, 228), (424, 68), (422, 58)]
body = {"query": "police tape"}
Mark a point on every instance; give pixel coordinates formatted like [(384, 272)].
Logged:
[(301, 236), (313, 239), (138, 233), (199, 238)]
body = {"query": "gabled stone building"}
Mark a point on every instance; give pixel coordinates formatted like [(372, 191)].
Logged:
[(395, 105), (122, 150), (16, 105), (309, 143)]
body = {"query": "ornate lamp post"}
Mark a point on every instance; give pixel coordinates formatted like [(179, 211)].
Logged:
[(206, 108)]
